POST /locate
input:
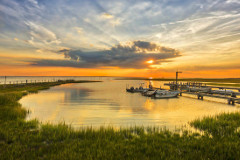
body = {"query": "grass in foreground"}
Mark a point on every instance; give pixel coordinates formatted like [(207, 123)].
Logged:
[(20, 139)]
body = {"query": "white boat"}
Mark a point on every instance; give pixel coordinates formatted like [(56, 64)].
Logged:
[(197, 89), (149, 93), (224, 92), (160, 94)]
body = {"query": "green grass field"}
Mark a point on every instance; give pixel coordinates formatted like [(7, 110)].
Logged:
[(20, 139)]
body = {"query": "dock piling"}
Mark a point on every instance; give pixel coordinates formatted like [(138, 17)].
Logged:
[(231, 101), (200, 96)]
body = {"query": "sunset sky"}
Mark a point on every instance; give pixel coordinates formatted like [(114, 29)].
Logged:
[(139, 38)]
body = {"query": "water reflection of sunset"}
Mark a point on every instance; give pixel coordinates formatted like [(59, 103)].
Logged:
[(149, 105), (107, 103)]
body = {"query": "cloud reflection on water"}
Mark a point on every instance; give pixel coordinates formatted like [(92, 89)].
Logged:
[(107, 103)]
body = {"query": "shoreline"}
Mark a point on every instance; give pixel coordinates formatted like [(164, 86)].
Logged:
[(21, 139)]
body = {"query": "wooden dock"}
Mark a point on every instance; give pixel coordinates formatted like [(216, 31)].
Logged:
[(230, 100), (202, 89)]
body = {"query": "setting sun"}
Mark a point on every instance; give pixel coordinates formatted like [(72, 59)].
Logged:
[(150, 61)]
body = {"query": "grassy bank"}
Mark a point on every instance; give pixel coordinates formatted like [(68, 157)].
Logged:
[(20, 139)]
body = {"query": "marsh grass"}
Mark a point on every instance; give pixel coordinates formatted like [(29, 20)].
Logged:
[(219, 126), (20, 139)]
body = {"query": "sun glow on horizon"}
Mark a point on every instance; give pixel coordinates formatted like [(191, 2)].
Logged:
[(150, 61)]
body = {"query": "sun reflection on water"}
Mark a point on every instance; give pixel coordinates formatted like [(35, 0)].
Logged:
[(107, 103)]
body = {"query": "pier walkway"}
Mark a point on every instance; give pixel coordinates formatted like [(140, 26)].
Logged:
[(202, 89), (230, 100)]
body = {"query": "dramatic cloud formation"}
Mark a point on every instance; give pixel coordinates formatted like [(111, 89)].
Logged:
[(133, 55), (207, 32)]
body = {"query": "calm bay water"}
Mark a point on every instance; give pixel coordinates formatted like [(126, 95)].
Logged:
[(107, 103)]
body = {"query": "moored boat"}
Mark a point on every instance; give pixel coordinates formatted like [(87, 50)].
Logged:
[(140, 89), (223, 92), (149, 93), (197, 89), (134, 90), (161, 94)]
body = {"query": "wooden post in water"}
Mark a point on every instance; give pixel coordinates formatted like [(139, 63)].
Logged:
[(231, 101), (177, 80), (5, 81)]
